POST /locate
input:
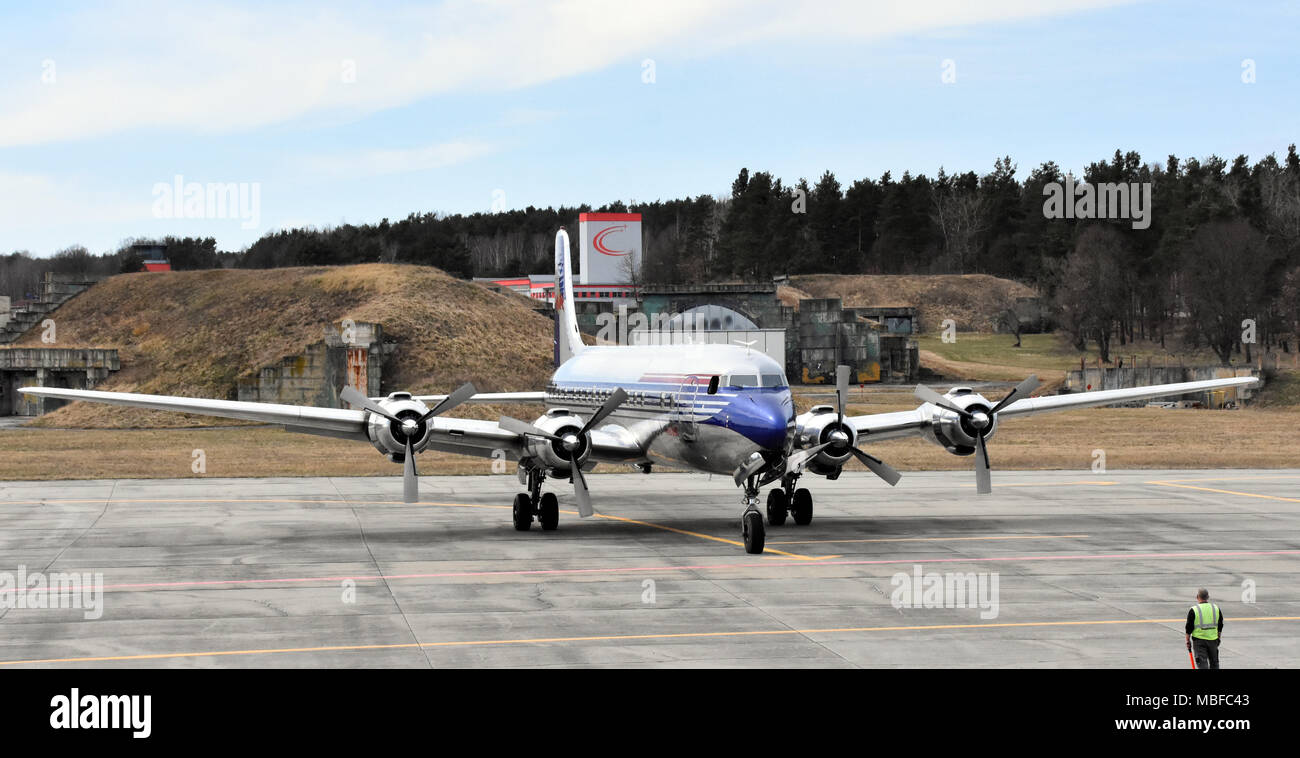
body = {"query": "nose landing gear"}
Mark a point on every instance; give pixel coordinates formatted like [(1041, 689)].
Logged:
[(751, 521)]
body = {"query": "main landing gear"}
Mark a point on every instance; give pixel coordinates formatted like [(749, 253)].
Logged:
[(786, 500), (533, 503)]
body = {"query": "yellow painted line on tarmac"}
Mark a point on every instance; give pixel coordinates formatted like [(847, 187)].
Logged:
[(1253, 478), (236, 501), (1083, 482), (702, 536), (1227, 492), (940, 539), (620, 638)]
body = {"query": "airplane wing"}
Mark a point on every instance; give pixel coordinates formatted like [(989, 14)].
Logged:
[(1034, 405), (485, 397), (611, 444), (452, 435), (339, 421), (884, 426)]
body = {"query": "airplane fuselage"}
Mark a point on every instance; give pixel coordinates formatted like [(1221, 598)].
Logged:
[(703, 407)]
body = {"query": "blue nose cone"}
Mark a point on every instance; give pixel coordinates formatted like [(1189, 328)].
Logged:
[(763, 417)]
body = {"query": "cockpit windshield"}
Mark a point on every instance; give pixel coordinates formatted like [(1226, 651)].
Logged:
[(755, 380)]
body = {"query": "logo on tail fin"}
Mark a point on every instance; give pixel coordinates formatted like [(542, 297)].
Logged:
[(560, 294), (568, 341)]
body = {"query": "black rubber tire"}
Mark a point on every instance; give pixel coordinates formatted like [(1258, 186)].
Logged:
[(548, 513), (523, 512), (751, 525), (778, 507), (801, 507)]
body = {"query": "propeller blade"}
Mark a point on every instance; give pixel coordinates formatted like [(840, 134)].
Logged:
[(524, 428), (1021, 390), (934, 398), (841, 390), (877, 466), (410, 479), (580, 492), (615, 400), (463, 392), (353, 397), (983, 480)]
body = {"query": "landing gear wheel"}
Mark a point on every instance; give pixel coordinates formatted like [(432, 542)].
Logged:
[(548, 513), (523, 512), (778, 507), (801, 507), (752, 528)]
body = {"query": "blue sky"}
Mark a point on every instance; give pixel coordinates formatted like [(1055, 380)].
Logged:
[(457, 104)]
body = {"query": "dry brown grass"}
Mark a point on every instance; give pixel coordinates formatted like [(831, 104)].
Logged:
[(974, 301), (791, 295), (195, 333), (987, 372), (1132, 438)]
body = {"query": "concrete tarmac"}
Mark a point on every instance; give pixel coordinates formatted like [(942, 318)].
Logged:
[(1054, 569)]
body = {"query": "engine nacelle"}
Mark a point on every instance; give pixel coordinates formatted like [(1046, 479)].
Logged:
[(954, 433), (817, 426), (553, 453), (386, 435)]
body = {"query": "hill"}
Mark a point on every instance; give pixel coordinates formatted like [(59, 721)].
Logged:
[(974, 301), (196, 333)]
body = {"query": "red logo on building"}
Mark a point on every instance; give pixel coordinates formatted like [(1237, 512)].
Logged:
[(598, 242)]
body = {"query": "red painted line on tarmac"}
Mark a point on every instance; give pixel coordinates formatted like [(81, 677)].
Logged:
[(701, 567)]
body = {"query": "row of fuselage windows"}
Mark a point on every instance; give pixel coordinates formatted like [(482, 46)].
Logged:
[(642, 398), (596, 396)]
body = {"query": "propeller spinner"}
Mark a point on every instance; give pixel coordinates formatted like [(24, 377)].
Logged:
[(574, 444), (839, 439), (408, 428), (981, 422)]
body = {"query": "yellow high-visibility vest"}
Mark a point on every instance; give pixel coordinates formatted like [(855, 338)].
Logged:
[(1207, 621)]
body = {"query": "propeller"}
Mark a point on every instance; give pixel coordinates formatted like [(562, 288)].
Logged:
[(981, 422), (839, 440), (410, 429), (572, 443)]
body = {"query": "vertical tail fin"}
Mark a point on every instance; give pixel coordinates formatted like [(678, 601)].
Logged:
[(568, 341)]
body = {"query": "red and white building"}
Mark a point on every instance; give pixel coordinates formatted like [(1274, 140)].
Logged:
[(609, 249)]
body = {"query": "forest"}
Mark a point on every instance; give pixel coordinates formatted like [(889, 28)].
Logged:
[(1220, 245)]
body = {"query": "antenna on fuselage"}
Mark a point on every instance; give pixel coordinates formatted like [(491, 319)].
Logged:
[(747, 345)]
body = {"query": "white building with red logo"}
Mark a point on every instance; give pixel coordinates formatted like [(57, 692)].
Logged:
[(609, 255)]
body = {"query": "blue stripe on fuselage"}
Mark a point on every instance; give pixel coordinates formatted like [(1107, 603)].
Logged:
[(762, 414)]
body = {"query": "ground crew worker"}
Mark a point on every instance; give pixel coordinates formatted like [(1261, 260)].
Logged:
[(1204, 628)]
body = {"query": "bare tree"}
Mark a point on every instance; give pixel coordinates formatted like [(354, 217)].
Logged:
[(1225, 268), (961, 213), (1093, 294)]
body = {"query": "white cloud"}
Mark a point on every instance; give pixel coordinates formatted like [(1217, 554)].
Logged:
[(37, 201), (398, 161), (217, 67)]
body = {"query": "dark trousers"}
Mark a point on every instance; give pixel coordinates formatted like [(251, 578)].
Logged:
[(1206, 652)]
